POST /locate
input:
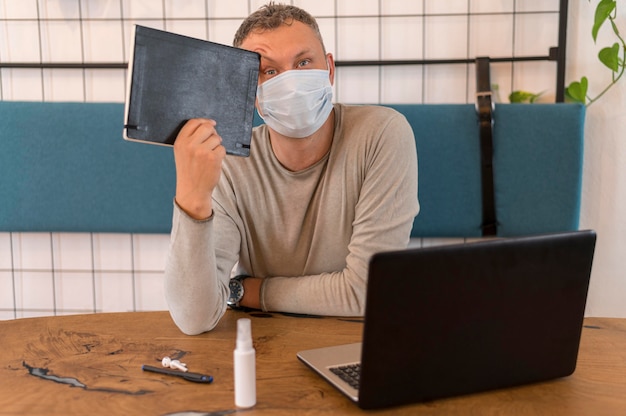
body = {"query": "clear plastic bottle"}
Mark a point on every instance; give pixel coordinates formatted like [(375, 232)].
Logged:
[(245, 365)]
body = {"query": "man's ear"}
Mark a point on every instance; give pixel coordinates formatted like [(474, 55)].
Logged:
[(331, 67)]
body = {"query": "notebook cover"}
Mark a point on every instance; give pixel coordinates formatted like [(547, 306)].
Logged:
[(173, 78)]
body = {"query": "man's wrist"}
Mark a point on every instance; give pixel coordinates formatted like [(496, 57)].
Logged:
[(236, 291), (199, 214), (252, 290)]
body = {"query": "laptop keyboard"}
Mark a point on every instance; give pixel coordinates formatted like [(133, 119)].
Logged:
[(350, 373)]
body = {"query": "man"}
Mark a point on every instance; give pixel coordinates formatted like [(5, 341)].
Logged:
[(325, 187)]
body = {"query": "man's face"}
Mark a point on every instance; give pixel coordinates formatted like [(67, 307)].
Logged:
[(293, 46)]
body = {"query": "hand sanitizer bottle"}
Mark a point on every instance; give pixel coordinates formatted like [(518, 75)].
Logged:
[(245, 366)]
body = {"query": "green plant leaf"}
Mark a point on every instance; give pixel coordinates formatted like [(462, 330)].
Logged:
[(610, 57), (522, 97), (577, 91), (603, 11)]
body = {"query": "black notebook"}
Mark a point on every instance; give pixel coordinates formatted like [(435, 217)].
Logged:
[(174, 78)]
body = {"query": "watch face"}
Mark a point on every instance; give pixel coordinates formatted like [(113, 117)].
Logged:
[(236, 291)]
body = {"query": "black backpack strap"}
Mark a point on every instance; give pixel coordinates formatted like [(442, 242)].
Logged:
[(485, 107)]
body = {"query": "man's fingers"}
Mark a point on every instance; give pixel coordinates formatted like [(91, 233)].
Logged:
[(197, 130)]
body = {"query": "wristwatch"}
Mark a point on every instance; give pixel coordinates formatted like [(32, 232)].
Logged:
[(236, 291)]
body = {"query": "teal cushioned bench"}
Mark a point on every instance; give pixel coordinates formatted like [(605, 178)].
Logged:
[(538, 156), (65, 168)]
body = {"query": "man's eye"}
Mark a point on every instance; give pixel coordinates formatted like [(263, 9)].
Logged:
[(303, 63), (270, 72)]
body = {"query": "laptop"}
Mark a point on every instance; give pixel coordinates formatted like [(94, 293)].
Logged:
[(458, 319)]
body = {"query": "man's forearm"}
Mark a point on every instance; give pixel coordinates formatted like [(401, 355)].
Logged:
[(195, 296)]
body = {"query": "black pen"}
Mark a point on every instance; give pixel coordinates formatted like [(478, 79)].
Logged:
[(195, 377)]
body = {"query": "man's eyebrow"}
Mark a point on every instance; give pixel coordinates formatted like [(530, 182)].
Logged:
[(300, 54), (304, 52)]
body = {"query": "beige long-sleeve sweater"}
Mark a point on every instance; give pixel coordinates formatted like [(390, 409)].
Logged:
[(310, 233)]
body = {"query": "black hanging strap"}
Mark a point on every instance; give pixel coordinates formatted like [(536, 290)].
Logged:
[(485, 108)]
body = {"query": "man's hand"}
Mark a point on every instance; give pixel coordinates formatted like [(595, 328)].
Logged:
[(198, 153)]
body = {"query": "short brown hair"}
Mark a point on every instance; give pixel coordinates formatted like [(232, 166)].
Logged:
[(272, 16)]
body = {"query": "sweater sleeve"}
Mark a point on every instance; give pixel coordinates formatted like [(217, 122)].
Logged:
[(196, 291), (387, 204)]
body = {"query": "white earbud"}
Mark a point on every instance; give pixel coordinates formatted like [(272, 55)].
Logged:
[(175, 364)]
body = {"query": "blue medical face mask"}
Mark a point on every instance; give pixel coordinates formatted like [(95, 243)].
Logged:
[(296, 103)]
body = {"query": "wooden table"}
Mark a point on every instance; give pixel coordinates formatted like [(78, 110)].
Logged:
[(91, 365)]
